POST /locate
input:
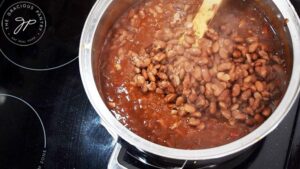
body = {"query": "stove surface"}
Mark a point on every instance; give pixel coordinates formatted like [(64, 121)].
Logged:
[(46, 120)]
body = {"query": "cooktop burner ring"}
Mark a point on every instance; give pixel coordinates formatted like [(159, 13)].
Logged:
[(27, 104), (23, 134), (36, 69)]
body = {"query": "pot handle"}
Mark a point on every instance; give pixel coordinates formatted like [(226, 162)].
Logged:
[(117, 160)]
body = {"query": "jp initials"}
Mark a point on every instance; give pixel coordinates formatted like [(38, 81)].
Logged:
[(23, 24)]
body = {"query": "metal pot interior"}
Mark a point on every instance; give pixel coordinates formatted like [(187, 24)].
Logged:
[(118, 7)]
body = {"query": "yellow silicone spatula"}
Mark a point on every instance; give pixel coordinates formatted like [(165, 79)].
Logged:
[(205, 14)]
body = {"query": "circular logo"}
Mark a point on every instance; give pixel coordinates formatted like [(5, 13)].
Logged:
[(23, 23)]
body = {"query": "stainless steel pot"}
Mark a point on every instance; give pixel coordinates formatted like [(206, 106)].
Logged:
[(98, 23)]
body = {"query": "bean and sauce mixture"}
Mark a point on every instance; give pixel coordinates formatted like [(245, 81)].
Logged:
[(174, 89)]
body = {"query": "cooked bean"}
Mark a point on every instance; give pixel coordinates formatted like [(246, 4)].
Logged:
[(196, 114), (192, 97), (246, 95), (197, 73), (158, 9), (162, 76), (213, 107), (248, 79), (236, 54), (194, 122), (170, 98), (174, 112), (151, 77), (145, 74), (212, 34), (226, 114), (238, 39), (179, 101), (182, 113), (224, 95), (225, 66), (151, 86), (263, 54), (159, 91), (205, 74), (112, 104), (253, 47), (189, 39), (223, 105), (137, 70), (159, 57), (159, 44), (189, 108), (223, 76), (215, 47), (277, 59), (217, 89), (201, 102), (259, 86), (262, 71), (252, 39), (139, 80), (258, 118), (144, 88), (201, 126), (223, 53), (235, 107), (194, 51), (267, 111), (238, 115), (171, 53), (248, 110), (179, 49)]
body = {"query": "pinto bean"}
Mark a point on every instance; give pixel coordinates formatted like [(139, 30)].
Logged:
[(259, 86), (223, 53), (217, 89), (226, 114), (112, 104), (197, 73), (246, 95), (258, 118), (151, 86), (170, 98), (194, 51), (215, 47), (238, 39), (238, 115), (179, 49), (225, 66), (223, 76), (189, 39), (205, 74), (267, 111), (196, 114), (263, 54), (179, 101), (253, 47), (252, 39), (189, 108), (213, 107), (139, 80), (194, 122)]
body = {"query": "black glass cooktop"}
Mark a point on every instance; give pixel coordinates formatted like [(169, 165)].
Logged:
[(46, 120)]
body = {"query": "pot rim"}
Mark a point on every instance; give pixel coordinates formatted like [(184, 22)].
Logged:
[(118, 130)]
